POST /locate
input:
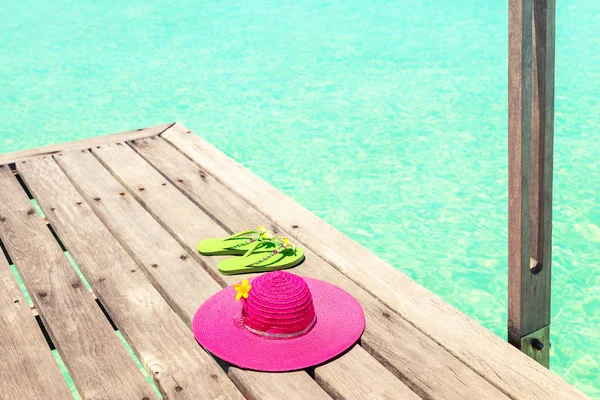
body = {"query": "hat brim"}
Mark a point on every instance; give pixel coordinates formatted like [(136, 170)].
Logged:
[(340, 323)]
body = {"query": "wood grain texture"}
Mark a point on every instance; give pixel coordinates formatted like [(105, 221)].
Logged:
[(28, 370), (542, 143), (15, 156), (547, 144), (100, 366), (295, 385), (422, 364), (178, 277), (177, 213), (158, 196), (463, 337), (527, 345), (159, 255), (520, 278), (351, 383), (161, 340)]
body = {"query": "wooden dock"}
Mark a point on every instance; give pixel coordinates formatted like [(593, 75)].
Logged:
[(130, 209)]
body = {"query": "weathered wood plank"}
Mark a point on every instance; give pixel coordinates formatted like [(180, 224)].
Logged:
[(28, 370), (161, 340), (15, 156), (295, 385), (178, 277), (177, 213), (344, 378), (99, 364), (424, 366), (476, 346)]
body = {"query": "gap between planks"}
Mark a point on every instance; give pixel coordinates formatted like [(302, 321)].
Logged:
[(102, 370), (160, 339), (34, 310), (49, 225), (28, 369), (184, 284)]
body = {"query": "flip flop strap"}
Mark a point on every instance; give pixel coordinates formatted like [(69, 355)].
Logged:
[(258, 231), (250, 240), (282, 242), (240, 234), (253, 235)]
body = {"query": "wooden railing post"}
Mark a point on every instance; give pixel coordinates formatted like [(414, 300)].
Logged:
[(531, 45)]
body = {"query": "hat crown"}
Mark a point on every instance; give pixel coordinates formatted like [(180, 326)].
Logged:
[(280, 305)]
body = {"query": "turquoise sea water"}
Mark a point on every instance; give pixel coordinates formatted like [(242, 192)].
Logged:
[(387, 119)]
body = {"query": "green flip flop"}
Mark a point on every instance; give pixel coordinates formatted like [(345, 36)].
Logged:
[(262, 257), (236, 244)]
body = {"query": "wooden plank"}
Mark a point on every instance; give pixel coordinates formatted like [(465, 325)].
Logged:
[(177, 214), (161, 340), (178, 277), (254, 385), (344, 378), (15, 156), (99, 364), (422, 364), (27, 368), (476, 346)]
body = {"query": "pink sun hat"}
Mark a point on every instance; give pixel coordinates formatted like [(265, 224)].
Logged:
[(282, 323)]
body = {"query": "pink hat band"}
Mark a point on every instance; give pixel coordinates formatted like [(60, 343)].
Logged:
[(279, 306)]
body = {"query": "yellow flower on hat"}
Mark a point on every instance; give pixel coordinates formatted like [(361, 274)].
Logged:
[(242, 289)]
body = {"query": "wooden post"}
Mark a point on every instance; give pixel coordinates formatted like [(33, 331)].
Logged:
[(530, 145)]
